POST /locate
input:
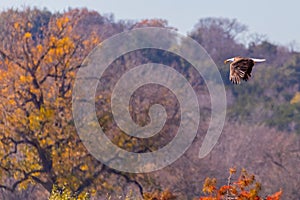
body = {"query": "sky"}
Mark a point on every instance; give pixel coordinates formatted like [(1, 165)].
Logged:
[(279, 20)]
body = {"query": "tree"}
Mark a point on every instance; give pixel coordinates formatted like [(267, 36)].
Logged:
[(38, 141), (40, 53), (245, 188), (219, 37)]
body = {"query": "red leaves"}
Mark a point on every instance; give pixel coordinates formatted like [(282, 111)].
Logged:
[(245, 188), (275, 196)]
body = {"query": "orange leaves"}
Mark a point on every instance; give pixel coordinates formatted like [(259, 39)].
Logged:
[(25, 79), (207, 198), (16, 25), (164, 195), (52, 41), (275, 196), (209, 185), (22, 78), (225, 188), (245, 188), (27, 35), (61, 23), (232, 170), (92, 41), (62, 42), (60, 47), (245, 180), (39, 48), (64, 46)]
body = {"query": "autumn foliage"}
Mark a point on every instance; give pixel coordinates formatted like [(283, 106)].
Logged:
[(163, 195), (38, 144), (244, 188), (40, 53)]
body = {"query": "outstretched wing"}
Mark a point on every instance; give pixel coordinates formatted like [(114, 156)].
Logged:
[(241, 69), (258, 60)]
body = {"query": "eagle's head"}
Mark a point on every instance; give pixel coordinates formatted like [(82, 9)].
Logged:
[(228, 60)]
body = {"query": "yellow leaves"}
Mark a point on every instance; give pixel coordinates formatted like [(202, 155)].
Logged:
[(60, 47), (25, 79), (59, 52), (43, 142), (16, 175), (62, 22), (31, 70), (35, 118), (64, 42), (37, 51), (22, 78), (64, 193), (27, 35), (93, 192), (232, 170), (84, 196), (46, 141), (64, 45), (34, 90), (35, 174), (52, 40), (49, 58), (59, 101), (12, 102), (42, 110), (46, 113), (60, 193), (209, 185), (66, 153), (84, 167), (296, 98), (23, 185), (34, 121)]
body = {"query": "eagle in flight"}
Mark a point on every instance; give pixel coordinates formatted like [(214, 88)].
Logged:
[(240, 68)]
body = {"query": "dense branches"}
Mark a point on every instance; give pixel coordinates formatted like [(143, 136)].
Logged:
[(41, 52)]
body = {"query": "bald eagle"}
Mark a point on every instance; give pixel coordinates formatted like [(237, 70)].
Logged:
[(240, 68)]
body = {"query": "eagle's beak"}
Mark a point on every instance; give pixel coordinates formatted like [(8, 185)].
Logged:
[(228, 60)]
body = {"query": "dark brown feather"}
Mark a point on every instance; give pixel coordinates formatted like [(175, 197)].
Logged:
[(241, 68)]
